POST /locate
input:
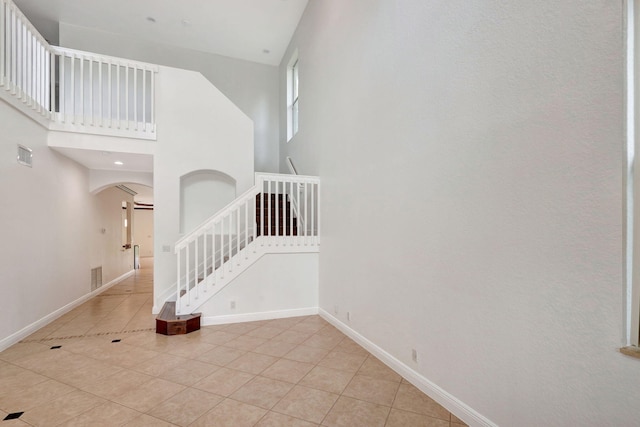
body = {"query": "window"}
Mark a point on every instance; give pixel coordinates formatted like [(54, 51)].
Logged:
[(292, 97)]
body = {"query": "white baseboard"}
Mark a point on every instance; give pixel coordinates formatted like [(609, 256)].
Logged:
[(252, 317), (453, 404), (28, 330)]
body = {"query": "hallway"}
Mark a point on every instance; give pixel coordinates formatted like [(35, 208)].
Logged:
[(102, 364)]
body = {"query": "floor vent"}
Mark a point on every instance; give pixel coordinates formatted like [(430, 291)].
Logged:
[(25, 156), (96, 278)]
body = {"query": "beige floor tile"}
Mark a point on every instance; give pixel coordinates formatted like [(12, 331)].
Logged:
[(266, 332), (106, 415), (191, 350), (328, 342), (327, 379), (224, 381), (221, 356), (13, 377), (381, 392), (241, 328), (189, 372), (293, 337), (307, 327), (302, 353), (349, 412), (245, 342), (287, 370), (219, 337), (306, 403), (117, 384), (274, 419), (186, 406), (148, 421), (231, 413), (33, 396), (411, 399), (344, 361), (347, 345), (62, 409), (253, 363), (331, 331), (399, 418), (159, 364), (21, 350), (284, 323), (374, 368), (262, 392), (149, 394), (275, 348)]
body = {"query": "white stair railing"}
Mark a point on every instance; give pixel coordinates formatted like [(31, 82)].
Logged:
[(263, 220), (66, 89)]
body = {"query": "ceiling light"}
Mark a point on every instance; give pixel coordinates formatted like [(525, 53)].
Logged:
[(118, 162), (266, 51), (151, 19), (186, 23)]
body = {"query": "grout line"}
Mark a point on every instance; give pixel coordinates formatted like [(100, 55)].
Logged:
[(87, 335)]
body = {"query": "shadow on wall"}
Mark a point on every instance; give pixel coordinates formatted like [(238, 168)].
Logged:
[(202, 194)]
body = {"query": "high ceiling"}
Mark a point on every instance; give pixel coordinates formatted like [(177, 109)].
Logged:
[(253, 30)]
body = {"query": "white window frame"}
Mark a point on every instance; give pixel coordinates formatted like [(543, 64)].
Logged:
[(293, 86)]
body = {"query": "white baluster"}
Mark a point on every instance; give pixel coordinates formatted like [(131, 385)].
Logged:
[(196, 273), (144, 100), (100, 97), (178, 297), (62, 94), (81, 89), (313, 214), (135, 98), (186, 270), (3, 30), (91, 106), (52, 82)]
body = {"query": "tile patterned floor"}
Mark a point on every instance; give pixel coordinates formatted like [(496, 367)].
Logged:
[(111, 369)]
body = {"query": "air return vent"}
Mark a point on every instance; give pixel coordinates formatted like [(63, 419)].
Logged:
[(96, 278), (25, 156)]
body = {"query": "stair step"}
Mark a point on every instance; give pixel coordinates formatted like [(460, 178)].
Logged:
[(167, 323)]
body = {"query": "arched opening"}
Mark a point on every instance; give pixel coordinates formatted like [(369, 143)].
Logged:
[(202, 194)]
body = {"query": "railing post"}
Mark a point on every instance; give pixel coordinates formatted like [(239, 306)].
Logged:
[(178, 297)]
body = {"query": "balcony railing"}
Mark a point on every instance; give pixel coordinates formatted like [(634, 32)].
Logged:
[(71, 90)]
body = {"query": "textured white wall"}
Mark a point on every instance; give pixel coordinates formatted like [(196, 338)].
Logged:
[(107, 247), (50, 226), (252, 87), (198, 129), (471, 156), (275, 283)]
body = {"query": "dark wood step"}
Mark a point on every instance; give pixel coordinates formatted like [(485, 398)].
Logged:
[(167, 323)]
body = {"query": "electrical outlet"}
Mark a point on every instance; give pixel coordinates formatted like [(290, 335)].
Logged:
[(233, 305), (348, 316), (414, 355)]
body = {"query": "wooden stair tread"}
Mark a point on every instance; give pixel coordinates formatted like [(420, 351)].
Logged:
[(167, 323)]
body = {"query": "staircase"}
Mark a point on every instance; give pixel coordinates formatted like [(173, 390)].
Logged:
[(269, 212), (279, 214), (72, 91)]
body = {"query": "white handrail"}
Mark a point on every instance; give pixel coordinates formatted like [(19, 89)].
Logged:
[(262, 219)]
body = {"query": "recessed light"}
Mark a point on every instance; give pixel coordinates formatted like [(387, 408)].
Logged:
[(118, 162), (266, 51), (186, 23), (151, 19)]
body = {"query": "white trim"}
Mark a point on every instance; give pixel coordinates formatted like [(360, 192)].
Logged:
[(28, 330), (453, 404), (252, 317)]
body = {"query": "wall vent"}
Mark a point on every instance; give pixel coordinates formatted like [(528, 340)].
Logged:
[(96, 278), (25, 156)]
